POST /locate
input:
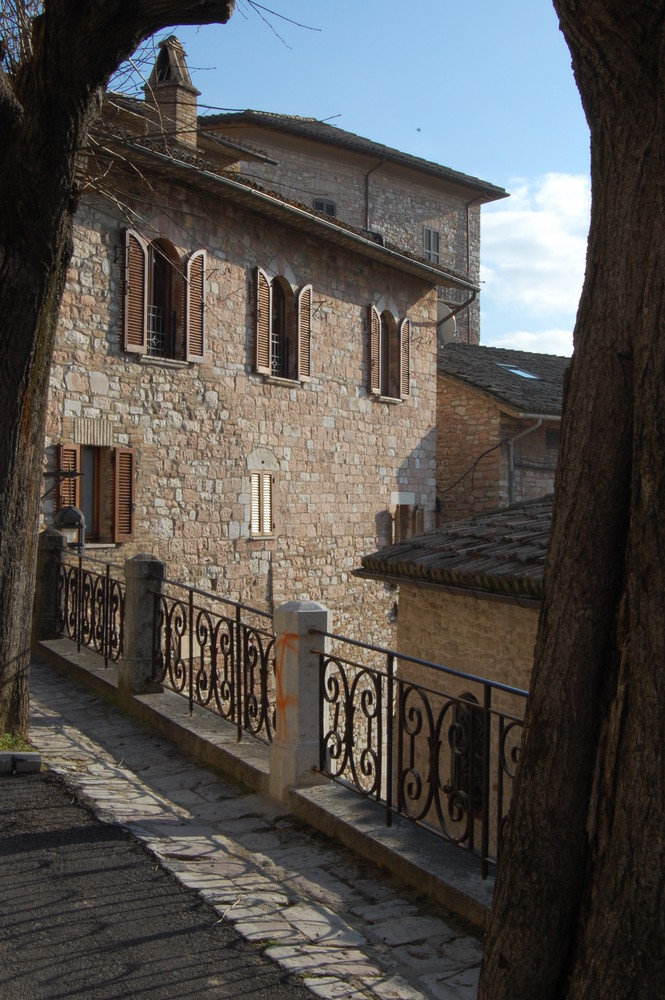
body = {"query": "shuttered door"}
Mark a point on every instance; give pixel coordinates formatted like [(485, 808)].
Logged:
[(263, 312), (68, 492), (134, 315), (374, 351), (305, 333), (123, 494), (404, 357), (195, 312)]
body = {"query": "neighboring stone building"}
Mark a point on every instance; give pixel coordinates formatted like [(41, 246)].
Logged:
[(242, 385), (469, 599), (498, 422), (470, 592)]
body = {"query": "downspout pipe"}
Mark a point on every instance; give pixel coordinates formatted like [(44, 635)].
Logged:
[(367, 176), (511, 455)]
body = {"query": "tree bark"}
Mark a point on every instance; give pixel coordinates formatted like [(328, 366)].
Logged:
[(577, 911), (45, 111)]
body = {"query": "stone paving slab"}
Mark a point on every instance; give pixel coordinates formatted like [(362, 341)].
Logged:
[(318, 910)]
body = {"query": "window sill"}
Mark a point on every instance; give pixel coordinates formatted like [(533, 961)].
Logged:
[(149, 359), (389, 399), (277, 380)]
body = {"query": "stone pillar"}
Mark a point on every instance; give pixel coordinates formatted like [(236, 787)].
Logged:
[(143, 577), (294, 753), (50, 554)]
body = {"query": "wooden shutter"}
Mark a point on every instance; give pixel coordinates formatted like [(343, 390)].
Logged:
[(68, 489), (135, 299), (305, 333), (195, 293), (263, 321), (123, 494), (260, 503), (374, 351), (404, 357)]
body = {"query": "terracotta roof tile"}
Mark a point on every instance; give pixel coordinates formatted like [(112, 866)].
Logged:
[(501, 552), (493, 369)]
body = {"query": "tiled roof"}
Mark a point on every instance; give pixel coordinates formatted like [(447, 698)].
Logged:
[(312, 128), (501, 553), (489, 369)]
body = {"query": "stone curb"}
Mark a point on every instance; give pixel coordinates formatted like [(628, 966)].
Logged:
[(20, 762)]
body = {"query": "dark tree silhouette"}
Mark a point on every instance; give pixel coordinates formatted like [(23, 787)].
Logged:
[(578, 910), (57, 59)]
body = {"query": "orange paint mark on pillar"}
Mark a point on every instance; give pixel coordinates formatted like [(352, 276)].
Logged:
[(289, 643)]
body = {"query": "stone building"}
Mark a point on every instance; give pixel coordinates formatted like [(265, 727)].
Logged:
[(469, 599), (470, 591), (244, 383), (498, 423), (426, 209)]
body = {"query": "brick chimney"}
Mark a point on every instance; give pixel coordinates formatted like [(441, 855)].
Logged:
[(171, 94)]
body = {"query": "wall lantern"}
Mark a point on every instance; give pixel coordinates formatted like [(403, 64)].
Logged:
[(71, 522)]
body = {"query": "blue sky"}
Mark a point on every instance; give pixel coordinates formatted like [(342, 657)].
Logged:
[(484, 87)]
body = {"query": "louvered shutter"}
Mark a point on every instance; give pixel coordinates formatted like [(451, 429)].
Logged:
[(404, 357), (305, 333), (266, 501), (374, 351), (195, 306), (68, 491), (135, 299), (123, 494), (263, 321)]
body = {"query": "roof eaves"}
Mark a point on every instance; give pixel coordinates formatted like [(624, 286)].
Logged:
[(369, 247)]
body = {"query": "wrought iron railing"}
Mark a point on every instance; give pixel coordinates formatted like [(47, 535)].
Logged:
[(432, 744), (90, 605), (218, 654)]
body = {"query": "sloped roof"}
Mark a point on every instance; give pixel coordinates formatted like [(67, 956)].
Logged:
[(495, 370), (312, 128), (499, 553)]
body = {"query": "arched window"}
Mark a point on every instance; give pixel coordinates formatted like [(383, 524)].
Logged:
[(283, 328), (390, 343), (164, 300)]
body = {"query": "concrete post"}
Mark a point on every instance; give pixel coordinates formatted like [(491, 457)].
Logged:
[(294, 753), (50, 553), (143, 577)]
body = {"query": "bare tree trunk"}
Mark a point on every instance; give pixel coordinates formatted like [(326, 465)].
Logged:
[(45, 110), (577, 910)]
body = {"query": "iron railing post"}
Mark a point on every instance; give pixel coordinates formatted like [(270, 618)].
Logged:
[(390, 723), (240, 662), (191, 652), (79, 603), (487, 734)]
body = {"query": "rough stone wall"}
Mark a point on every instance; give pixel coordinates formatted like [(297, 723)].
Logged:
[(480, 636), (401, 202), (468, 427), (341, 458), (469, 423), (488, 639), (534, 462)]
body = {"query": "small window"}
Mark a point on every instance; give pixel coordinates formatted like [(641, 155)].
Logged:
[(283, 328), (100, 482), (325, 206), (390, 344), (431, 245), (552, 439), (261, 504), (164, 300)]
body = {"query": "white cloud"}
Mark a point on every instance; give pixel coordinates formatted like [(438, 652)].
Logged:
[(533, 254)]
